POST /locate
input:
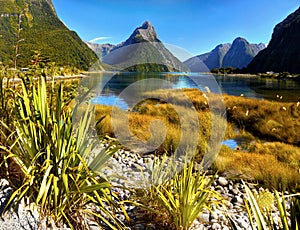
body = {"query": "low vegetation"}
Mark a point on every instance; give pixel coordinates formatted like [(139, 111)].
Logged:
[(177, 202), (260, 208), (139, 124), (267, 120), (43, 155), (49, 154), (270, 156), (262, 165)]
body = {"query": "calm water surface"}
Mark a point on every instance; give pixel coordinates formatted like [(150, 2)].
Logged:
[(252, 87)]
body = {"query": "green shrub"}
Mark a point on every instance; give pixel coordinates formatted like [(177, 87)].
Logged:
[(7, 95), (51, 154), (182, 198), (263, 216)]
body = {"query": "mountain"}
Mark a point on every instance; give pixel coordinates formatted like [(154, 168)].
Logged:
[(238, 55), (283, 51), (142, 51), (241, 53), (101, 49), (41, 30), (206, 62)]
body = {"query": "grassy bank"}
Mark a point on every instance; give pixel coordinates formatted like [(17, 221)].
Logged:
[(43, 153), (271, 157)]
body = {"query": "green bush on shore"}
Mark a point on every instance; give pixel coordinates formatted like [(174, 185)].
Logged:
[(49, 154), (39, 141)]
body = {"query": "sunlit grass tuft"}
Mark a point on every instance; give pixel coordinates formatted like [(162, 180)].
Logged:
[(263, 165)]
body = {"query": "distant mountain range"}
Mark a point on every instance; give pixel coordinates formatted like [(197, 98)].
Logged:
[(283, 51), (41, 31), (101, 49), (142, 51), (238, 55)]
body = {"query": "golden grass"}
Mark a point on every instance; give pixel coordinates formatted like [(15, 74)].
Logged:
[(145, 119), (269, 163), (269, 120), (275, 164)]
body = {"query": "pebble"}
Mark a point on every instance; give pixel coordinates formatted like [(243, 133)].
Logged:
[(222, 181), (237, 199), (216, 226), (129, 164), (204, 217), (234, 191)]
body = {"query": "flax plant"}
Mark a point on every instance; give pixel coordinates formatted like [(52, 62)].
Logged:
[(262, 219), (50, 154), (7, 95), (186, 196)]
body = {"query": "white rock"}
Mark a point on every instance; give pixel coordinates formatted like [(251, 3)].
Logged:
[(204, 217), (222, 181), (216, 226)]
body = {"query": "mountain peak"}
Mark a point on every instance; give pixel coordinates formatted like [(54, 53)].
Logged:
[(237, 55), (283, 51), (239, 40), (144, 33), (241, 53), (143, 52), (146, 25)]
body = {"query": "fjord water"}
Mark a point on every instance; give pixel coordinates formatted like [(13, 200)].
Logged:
[(249, 86)]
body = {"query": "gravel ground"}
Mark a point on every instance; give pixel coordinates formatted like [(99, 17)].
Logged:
[(128, 165)]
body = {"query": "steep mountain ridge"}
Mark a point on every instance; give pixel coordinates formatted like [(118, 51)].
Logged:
[(283, 51), (41, 30), (142, 51), (241, 53), (101, 49), (238, 55), (144, 33), (206, 62)]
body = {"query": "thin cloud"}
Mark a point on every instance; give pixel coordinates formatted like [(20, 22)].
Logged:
[(99, 39)]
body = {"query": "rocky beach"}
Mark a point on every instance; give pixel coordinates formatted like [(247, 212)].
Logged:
[(128, 166)]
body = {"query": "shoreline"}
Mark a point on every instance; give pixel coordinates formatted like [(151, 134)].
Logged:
[(232, 74), (67, 77)]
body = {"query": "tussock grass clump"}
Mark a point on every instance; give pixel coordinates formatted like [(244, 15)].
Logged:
[(188, 115), (181, 122), (284, 153), (270, 165), (268, 120)]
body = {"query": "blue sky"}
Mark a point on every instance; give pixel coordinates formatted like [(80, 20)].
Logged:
[(195, 25)]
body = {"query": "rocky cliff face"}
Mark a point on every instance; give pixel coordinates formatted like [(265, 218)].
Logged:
[(145, 33), (101, 49), (241, 53), (238, 55), (142, 51), (41, 31), (283, 51), (206, 62)]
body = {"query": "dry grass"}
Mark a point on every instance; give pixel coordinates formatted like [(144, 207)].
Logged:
[(268, 120), (144, 125), (276, 165)]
